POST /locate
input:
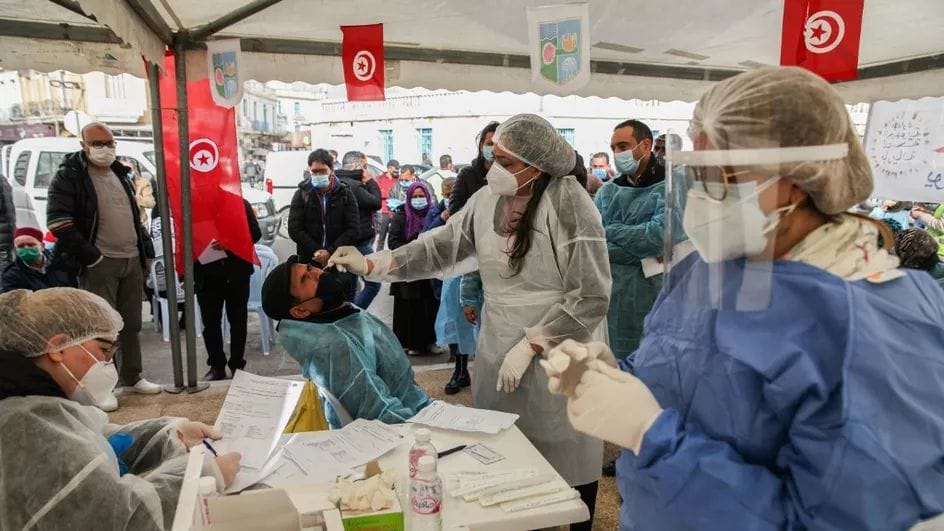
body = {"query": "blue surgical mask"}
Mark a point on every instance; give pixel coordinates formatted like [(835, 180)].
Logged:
[(320, 182), (418, 203), (487, 153), (626, 162), (600, 173)]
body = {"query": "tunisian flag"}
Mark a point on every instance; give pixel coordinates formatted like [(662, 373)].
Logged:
[(822, 36), (362, 52), (217, 208)]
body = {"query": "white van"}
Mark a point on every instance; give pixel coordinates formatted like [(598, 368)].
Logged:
[(34, 161), (284, 170)]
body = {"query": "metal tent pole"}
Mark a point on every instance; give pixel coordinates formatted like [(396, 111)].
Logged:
[(183, 130), (154, 87)]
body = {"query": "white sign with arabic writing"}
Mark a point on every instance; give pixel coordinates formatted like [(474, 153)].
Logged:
[(904, 141)]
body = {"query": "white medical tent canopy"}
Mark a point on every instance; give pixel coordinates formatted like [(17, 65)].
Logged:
[(649, 50)]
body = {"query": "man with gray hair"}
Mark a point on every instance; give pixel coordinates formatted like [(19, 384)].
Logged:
[(355, 174), (93, 212)]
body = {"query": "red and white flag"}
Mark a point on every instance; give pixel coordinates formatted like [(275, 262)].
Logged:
[(822, 36), (217, 209), (362, 52)]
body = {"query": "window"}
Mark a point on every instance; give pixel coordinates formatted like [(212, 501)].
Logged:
[(568, 135), (255, 111), (298, 108), (265, 116), (49, 162), (19, 170), (245, 108), (115, 87), (426, 142), (387, 136)]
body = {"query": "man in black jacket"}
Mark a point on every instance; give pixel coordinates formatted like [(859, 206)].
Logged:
[(33, 269), (323, 213), (7, 223), (92, 211), (219, 284), (355, 175)]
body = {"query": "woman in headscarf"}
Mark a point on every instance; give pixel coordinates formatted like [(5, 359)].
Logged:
[(789, 375), (414, 303), (538, 243)]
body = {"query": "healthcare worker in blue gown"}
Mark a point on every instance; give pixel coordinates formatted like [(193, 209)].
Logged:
[(790, 375)]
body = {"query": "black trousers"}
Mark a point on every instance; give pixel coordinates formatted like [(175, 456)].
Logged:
[(218, 292)]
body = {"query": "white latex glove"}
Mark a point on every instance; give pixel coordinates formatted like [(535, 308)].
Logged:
[(192, 433), (567, 362), (612, 405), (512, 369), (348, 258)]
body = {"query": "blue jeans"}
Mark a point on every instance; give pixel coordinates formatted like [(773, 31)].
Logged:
[(371, 289)]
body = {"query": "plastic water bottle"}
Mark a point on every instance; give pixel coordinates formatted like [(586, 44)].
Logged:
[(426, 494), (420, 448)]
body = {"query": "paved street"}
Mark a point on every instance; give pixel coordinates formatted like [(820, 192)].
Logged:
[(157, 356)]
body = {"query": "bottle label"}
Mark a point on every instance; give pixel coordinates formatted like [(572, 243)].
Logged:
[(415, 454), (426, 506), (426, 496)]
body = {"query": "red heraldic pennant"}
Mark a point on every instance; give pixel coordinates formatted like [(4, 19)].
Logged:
[(822, 36), (362, 52), (217, 208)]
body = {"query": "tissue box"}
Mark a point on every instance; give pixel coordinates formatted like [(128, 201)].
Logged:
[(387, 520)]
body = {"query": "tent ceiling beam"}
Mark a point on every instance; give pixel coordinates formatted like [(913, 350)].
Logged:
[(907, 66), (203, 32), (152, 19), (57, 32), (74, 7)]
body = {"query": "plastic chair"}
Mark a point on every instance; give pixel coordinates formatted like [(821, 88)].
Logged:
[(269, 260), (162, 301), (335, 404)]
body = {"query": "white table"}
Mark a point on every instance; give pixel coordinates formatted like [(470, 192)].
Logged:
[(460, 515)]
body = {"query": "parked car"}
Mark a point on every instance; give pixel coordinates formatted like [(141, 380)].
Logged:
[(284, 170), (33, 163)]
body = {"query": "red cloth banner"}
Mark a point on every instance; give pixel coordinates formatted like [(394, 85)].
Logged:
[(217, 209), (362, 53), (822, 36)]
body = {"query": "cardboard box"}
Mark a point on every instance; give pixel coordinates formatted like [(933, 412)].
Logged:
[(387, 520), (269, 509)]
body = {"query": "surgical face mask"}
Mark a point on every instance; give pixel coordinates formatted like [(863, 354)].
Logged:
[(600, 173), (101, 156), (96, 386), (28, 254), (487, 153), (626, 161), (418, 203), (446, 202), (733, 227), (320, 181), (503, 182)]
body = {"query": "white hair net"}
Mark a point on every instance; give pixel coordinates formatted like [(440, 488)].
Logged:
[(29, 318), (788, 107), (533, 140)]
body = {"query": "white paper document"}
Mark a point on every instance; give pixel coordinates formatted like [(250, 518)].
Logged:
[(254, 414), (439, 414), (653, 266), (211, 255), (340, 450)]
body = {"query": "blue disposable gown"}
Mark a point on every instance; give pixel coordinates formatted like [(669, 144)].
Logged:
[(821, 411), (634, 223), (359, 360), (452, 328)]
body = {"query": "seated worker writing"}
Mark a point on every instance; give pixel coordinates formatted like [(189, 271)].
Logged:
[(343, 349), (63, 465)]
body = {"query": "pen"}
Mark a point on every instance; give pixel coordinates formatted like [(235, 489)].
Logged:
[(210, 448), (444, 453)]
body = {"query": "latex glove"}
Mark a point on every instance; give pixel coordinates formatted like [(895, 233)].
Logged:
[(471, 314), (566, 363), (612, 405), (512, 369), (348, 258), (192, 433), (229, 466)]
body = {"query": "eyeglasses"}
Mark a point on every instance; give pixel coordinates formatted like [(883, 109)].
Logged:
[(714, 180), (98, 144), (110, 350)]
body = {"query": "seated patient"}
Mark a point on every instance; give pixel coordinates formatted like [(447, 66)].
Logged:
[(342, 348), (63, 465)]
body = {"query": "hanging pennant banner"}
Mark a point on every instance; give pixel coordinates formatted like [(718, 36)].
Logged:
[(560, 47), (226, 83), (362, 53), (822, 36)]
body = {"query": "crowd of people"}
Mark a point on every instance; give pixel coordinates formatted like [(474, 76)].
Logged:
[(778, 371)]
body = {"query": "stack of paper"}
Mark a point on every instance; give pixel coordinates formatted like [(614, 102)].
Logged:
[(514, 490), (451, 417), (255, 412)]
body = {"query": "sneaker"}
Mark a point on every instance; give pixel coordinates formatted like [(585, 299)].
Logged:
[(144, 387), (436, 350), (110, 404)]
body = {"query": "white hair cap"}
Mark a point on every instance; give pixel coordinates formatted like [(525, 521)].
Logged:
[(534, 141), (28, 319), (789, 107)]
